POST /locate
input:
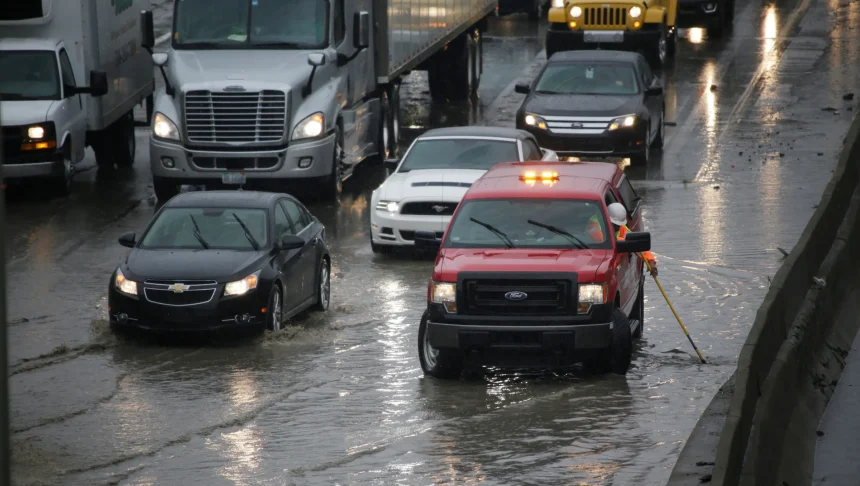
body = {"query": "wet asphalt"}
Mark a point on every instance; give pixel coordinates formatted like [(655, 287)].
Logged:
[(758, 119)]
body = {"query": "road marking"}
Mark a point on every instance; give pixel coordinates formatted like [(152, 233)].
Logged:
[(162, 39)]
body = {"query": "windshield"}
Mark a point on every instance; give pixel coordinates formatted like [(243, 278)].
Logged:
[(460, 153), (529, 223), (205, 228), (29, 75), (588, 79), (250, 24)]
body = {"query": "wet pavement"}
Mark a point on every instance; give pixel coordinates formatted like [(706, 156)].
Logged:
[(340, 398)]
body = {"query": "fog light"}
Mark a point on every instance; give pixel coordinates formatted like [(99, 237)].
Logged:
[(243, 319), (710, 7), (573, 25), (636, 24), (305, 162), (168, 162), (122, 318)]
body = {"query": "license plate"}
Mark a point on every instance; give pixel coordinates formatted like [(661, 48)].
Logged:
[(604, 36), (233, 178)]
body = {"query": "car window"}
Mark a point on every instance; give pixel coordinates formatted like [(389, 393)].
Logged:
[(531, 151), (66, 69), (647, 75), (219, 228), (339, 22), (459, 153), (579, 218), (29, 75), (584, 78), (282, 224), (610, 198), (628, 196), (295, 215), (306, 216)]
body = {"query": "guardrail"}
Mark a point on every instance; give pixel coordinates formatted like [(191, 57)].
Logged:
[(790, 329)]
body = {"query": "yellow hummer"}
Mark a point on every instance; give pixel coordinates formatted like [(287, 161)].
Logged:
[(632, 25)]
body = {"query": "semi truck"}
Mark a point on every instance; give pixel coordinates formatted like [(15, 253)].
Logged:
[(71, 73), (266, 92)]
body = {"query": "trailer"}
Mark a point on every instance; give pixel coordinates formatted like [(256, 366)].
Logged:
[(264, 92), (71, 73)]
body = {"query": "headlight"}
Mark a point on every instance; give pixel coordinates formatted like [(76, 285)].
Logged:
[(576, 12), (389, 206), (124, 285), (557, 3), (311, 127), (242, 287), (635, 12), (446, 294), (164, 128), (534, 121), (36, 133), (622, 121), (590, 294)]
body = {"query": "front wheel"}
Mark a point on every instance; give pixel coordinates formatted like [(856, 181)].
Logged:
[(332, 185), (658, 51), (62, 185), (275, 316), (123, 142), (617, 358), (323, 286), (661, 130), (643, 157), (438, 363), (638, 312)]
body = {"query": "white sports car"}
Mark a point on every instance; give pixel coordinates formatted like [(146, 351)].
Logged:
[(434, 174)]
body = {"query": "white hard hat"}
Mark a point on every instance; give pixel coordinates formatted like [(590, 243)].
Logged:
[(617, 214)]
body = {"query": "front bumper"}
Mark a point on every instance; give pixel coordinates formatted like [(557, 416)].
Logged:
[(394, 229), (193, 166), (127, 312), (695, 14), (624, 142), (48, 163), (559, 37)]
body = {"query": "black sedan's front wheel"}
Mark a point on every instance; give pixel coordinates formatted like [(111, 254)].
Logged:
[(323, 286), (275, 316)]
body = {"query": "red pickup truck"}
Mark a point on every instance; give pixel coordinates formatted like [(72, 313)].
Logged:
[(529, 267)]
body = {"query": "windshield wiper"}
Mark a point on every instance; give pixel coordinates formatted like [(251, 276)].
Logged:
[(12, 96), (203, 45), (197, 233), (247, 233), (495, 231), (295, 45), (573, 239)]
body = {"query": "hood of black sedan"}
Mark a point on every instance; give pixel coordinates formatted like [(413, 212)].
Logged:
[(582, 105), (179, 265)]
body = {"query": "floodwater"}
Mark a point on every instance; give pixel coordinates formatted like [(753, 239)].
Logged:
[(340, 398)]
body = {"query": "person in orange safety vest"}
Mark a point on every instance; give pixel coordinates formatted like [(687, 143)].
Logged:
[(618, 218)]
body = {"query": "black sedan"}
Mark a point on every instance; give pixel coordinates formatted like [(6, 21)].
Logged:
[(222, 259), (595, 103)]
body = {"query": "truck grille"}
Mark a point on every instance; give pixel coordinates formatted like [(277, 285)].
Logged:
[(235, 117), (235, 163), (429, 208), (604, 17), (12, 142), (544, 297)]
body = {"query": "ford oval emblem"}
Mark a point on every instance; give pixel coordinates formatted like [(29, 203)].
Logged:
[(516, 295)]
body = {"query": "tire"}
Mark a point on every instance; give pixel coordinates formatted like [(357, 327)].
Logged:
[(672, 44), (638, 312), (323, 286), (658, 140), (62, 186), (438, 363), (394, 118), (642, 159), (383, 142), (617, 358), (657, 53), (332, 185), (101, 147), (164, 188), (275, 314), (123, 143)]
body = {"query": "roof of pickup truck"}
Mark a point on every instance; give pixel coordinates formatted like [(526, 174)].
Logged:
[(28, 44), (576, 180)]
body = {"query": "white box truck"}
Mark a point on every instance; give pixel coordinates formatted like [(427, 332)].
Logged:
[(71, 73)]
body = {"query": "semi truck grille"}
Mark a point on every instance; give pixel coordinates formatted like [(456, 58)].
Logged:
[(604, 17), (235, 163), (429, 208), (543, 297), (235, 117)]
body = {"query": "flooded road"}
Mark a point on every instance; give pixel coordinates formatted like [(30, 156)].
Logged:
[(340, 398)]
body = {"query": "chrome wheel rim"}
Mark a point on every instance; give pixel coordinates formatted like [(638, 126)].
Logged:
[(325, 286), (661, 48), (276, 311), (430, 353), (385, 137), (338, 160)]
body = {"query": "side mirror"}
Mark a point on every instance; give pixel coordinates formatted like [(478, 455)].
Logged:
[(391, 163), (98, 83), (654, 91), (361, 30), (127, 240), (291, 242), (147, 30), (316, 59), (634, 243), (522, 88), (426, 240), (159, 58)]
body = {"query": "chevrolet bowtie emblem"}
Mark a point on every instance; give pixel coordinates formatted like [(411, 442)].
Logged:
[(178, 288)]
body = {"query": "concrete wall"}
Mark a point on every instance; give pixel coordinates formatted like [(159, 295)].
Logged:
[(780, 375)]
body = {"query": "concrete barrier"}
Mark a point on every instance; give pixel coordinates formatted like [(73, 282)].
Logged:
[(795, 321)]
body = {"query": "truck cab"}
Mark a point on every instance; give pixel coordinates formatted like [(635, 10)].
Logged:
[(631, 25), (530, 266)]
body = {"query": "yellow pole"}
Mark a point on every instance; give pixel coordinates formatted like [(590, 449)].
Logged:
[(673, 312)]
